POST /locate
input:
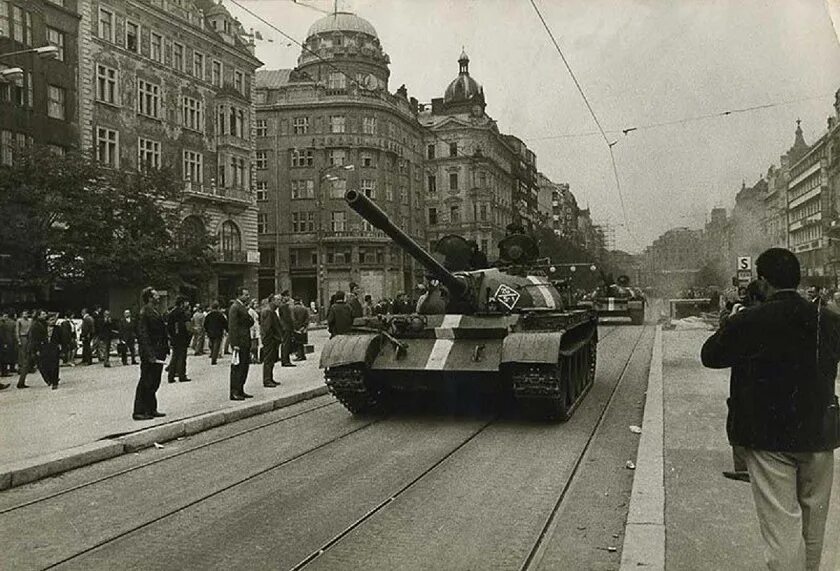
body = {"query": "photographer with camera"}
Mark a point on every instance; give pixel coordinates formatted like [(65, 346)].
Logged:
[(782, 408)]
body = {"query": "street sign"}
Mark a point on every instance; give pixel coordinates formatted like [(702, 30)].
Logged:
[(744, 275), (744, 263)]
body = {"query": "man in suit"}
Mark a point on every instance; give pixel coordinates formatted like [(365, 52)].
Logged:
[(88, 326), (108, 329), (300, 321), (272, 336), (178, 326), (287, 326), (128, 336), (353, 300), (239, 326), (152, 341), (215, 325), (339, 316), (8, 346), (783, 354)]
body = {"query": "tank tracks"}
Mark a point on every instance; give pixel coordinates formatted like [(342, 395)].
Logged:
[(553, 392), (347, 384)]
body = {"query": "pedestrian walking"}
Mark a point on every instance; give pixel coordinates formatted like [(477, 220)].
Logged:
[(23, 326), (782, 408), (239, 327), (198, 330), (88, 326), (8, 346), (128, 338), (108, 331), (300, 322), (178, 328), (271, 335), (339, 316), (215, 325), (45, 339), (153, 349)]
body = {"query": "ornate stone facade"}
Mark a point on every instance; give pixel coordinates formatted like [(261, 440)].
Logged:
[(168, 83), (329, 125)]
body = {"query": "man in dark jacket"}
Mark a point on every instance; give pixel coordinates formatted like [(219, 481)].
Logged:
[(153, 346), (178, 327), (128, 337), (353, 300), (86, 337), (287, 327), (783, 354), (339, 316), (239, 324), (108, 330), (8, 346), (215, 325), (272, 335), (300, 321)]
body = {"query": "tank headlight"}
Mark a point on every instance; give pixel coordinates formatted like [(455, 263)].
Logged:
[(573, 269), (552, 269)]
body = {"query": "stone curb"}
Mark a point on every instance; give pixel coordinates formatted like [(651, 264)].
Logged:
[(644, 535), (32, 469)]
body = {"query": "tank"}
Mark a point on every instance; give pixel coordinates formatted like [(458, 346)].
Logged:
[(618, 299), (503, 329)]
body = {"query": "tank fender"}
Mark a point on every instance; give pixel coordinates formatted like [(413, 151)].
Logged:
[(350, 350), (532, 347)]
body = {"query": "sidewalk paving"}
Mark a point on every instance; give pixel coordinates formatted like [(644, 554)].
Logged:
[(710, 522), (43, 432)]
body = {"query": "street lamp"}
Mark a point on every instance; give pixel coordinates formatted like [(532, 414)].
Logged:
[(43, 52), (11, 75), (319, 246)]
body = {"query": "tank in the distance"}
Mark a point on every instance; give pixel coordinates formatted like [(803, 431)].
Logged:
[(503, 328)]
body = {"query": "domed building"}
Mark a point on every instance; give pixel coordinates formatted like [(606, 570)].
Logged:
[(476, 177), (326, 126)]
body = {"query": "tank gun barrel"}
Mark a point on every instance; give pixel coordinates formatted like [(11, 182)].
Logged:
[(371, 212)]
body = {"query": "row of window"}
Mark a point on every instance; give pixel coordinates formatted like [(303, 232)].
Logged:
[(164, 51), (431, 150), (232, 170), (338, 124), (481, 212), (230, 119)]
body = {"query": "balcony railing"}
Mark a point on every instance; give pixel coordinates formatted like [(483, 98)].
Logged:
[(353, 234), (231, 256), (224, 194)]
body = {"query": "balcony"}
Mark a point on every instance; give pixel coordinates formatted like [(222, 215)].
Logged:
[(353, 235), (234, 196), (232, 141), (236, 257)]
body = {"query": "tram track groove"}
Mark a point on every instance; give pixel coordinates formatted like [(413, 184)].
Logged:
[(535, 555), (165, 458), (206, 497)]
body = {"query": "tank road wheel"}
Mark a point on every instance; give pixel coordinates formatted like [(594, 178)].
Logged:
[(348, 385)]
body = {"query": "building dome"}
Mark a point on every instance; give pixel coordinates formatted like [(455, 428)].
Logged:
[(463, 88), (342, 22)]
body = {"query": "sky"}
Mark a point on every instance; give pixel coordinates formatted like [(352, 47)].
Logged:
[(639, 62)]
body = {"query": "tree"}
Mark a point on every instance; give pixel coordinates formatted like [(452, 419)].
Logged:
[(69, 220)]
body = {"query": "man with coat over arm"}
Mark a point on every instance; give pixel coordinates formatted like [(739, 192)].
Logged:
[(783, 354), (153, 348), (239, 326)]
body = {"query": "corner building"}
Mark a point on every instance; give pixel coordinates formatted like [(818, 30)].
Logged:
[(470, 185), (168, 83), (329, 125)]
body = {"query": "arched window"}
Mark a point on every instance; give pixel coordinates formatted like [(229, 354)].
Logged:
[(192, 230), (230, 237)]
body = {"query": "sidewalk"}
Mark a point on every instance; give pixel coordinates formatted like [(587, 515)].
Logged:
[(709, 521), (43, 432)]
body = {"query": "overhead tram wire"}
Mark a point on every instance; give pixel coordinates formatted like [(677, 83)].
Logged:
[(594, 117), (689, 119)]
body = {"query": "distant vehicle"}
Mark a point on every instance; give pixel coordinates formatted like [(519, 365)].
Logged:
[(620, 300)]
